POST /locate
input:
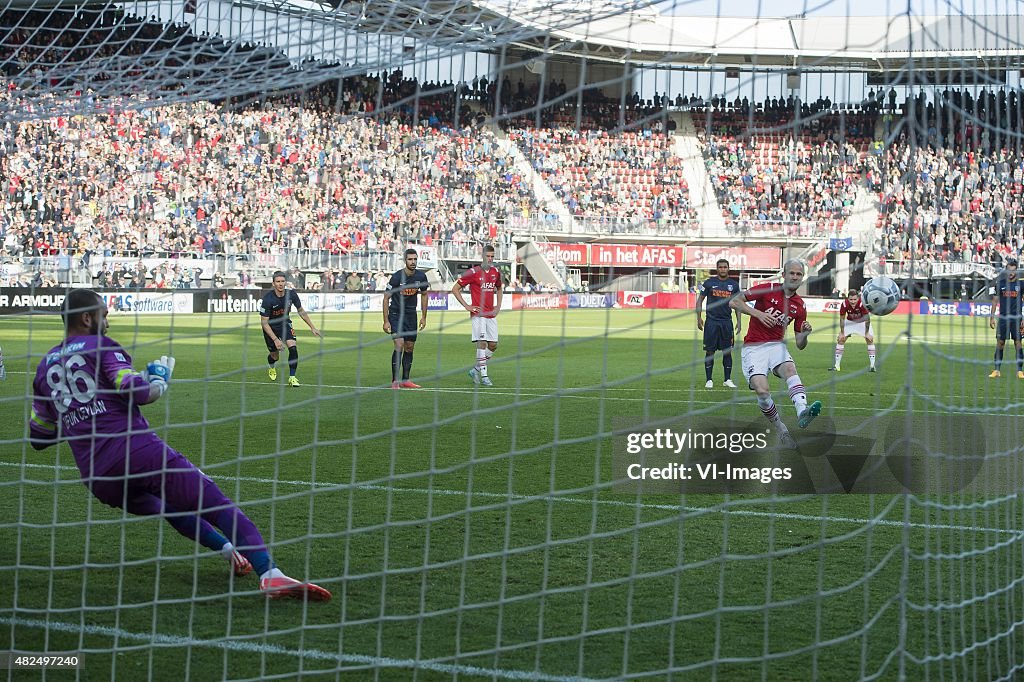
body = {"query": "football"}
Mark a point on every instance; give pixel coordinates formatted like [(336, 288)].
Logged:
[(880, 295)]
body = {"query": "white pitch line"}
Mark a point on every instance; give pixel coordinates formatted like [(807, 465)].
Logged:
[(566, 391), (578, 393), (274, 649), (339, 487), (575, 391)]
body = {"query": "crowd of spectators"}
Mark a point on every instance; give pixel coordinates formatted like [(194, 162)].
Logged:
[(947, 204), (949, 184), (167, 275), (295, 172), (190, 177), (768, 166), (333, 279), (599, 174), (365, 164)]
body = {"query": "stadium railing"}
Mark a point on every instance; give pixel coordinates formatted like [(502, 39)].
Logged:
[(683, 229), (68, 268)]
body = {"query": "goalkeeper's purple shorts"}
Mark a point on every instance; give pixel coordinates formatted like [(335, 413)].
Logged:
[(155, 479), (159, 479)]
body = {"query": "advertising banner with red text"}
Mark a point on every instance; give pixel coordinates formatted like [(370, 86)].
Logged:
[(739, 257), (539, 301), (561, 252), (636, 255)]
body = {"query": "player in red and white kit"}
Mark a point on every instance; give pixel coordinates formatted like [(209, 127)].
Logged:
[(764, 347), (485, 291), (854, 320)]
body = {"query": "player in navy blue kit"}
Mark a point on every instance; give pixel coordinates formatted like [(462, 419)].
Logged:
[(1006, 293), (404, 288), (718, 330), (275, 318)]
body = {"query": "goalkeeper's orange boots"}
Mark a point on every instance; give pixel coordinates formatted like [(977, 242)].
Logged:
[(1020, 374), (282, 587), (995, 374)]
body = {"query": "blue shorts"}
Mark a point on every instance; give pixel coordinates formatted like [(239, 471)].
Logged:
[(285, 338), (404, 326), (1008, 328), (718, 335)]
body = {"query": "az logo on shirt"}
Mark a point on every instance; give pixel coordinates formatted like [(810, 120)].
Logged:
[(410, 292)]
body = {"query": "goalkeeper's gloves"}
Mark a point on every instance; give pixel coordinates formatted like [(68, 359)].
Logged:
[(158, 372)]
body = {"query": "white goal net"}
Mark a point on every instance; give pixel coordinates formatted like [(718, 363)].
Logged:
[(584, 497)]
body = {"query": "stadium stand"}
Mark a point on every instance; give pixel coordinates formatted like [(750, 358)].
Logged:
[(769, 167)]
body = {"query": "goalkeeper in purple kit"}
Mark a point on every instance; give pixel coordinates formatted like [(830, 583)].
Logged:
[(87, 393)]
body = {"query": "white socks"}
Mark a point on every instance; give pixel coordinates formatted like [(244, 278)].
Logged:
[(768, 409), (797, 393), (273, 573)]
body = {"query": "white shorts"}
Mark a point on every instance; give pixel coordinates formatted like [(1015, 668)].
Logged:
[(764, 358), (856, 328), (485, 329)]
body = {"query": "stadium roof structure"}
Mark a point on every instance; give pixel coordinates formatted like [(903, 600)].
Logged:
[(638, 32), (839, 43)]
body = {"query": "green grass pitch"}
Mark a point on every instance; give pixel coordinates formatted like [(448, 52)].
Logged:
[(461, 529)]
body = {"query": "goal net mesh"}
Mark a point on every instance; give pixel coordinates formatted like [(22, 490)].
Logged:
[(174, 156)]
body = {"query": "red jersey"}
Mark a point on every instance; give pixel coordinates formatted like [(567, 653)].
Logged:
[(854, 313), (769, 298), (483, 288)]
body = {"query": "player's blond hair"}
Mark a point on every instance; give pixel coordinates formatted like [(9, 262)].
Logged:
[(794, 261)]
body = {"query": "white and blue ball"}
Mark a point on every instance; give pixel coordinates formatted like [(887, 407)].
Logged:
[(880, 295)]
